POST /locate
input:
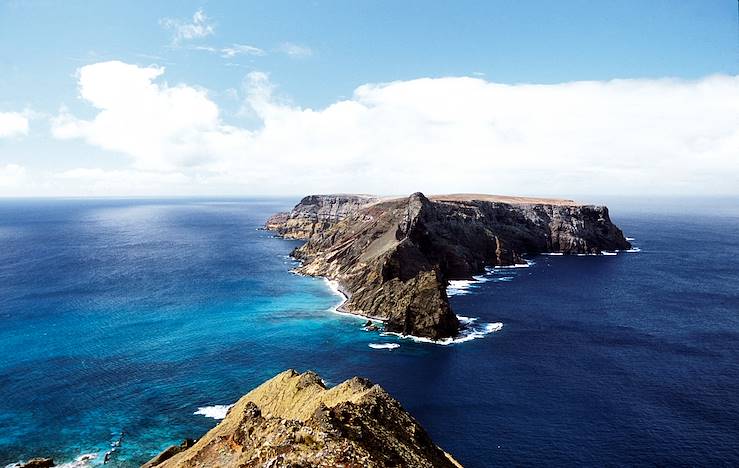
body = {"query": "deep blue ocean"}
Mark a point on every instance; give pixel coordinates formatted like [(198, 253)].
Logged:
[(129, 315)]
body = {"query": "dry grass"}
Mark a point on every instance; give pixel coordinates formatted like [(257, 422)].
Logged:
[(461, 197)]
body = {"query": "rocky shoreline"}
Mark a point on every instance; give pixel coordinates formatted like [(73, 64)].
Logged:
[(394, 257)]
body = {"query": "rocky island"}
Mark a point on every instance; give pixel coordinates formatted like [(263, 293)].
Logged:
[(394, 257), (294, 420)]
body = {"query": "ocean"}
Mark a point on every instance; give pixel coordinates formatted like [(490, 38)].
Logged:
[(126, 323)]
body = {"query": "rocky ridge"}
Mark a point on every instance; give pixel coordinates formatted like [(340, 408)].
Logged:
[(294, 420), (317, 213), (393, 257)]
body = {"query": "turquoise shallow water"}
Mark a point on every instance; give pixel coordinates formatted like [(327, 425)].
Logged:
[(126, 316)]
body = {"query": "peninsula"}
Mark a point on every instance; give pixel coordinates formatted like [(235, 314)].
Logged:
[(393, 257)]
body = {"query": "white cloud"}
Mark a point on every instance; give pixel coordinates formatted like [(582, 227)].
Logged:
[(200, 27), (295, 50), (436, 135), (12, 176), (13, 124), (233, 50), (210, 49), (240, 49), (161, 127)]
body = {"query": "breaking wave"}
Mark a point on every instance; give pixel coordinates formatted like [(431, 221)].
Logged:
[(492, 274), (389, 346), (216, 411), (471, 330)]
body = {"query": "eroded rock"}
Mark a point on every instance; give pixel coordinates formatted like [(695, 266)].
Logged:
[(294, 420), (393, 258)]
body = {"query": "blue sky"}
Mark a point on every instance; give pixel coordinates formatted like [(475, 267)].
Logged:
[(312, 55), (43, 42)]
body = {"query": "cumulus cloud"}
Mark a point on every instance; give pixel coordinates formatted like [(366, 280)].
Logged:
[(13, 124), (295, 50), (161, 127), (433, 134), (183, 30)]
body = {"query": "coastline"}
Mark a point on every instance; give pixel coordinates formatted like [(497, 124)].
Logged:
[(577, 338), (335, 288), (339, 308), (467, 331)]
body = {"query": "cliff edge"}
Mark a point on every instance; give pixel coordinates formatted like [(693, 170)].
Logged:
[(294, 420), (393, 257)]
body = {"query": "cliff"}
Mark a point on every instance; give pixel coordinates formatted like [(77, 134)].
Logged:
[(316, 213), (294, 420), (393, 258)]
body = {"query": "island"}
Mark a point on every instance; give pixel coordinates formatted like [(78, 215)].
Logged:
[(294, 420), (393, 257)]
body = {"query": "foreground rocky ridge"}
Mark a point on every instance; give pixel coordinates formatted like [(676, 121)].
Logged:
[(294, 420), (393, 258)]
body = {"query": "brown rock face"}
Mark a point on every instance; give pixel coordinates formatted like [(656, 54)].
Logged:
[(38, 463), (294, 420), (393, 258), (316, 213), (168, 453)]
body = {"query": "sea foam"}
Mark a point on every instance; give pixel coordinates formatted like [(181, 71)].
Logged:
[(459, 287), (471, 330), (389, 346), (463, 287), (334, 287), (515, 265), (216, 411), (81, 461)]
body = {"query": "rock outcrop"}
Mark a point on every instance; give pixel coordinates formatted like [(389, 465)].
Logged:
[(294, 420), (168, 453), (36, 463), (316, 213), (393, 258)]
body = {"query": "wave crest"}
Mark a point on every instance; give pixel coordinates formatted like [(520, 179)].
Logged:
[(389, 346), (471, 330), (215, 412)]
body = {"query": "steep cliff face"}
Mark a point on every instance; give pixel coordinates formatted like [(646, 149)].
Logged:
[(294, 420), (394, 258), (316, 213)]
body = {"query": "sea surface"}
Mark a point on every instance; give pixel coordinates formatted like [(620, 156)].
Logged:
[(121, 319)]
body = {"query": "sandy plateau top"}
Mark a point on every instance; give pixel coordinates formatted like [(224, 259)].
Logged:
[(466, 197), (513, 200), (462, 197)]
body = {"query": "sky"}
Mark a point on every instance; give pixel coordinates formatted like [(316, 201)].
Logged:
[(574, 98)]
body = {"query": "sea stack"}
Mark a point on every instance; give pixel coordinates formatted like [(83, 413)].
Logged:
[(294, 420), (394, 257)]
